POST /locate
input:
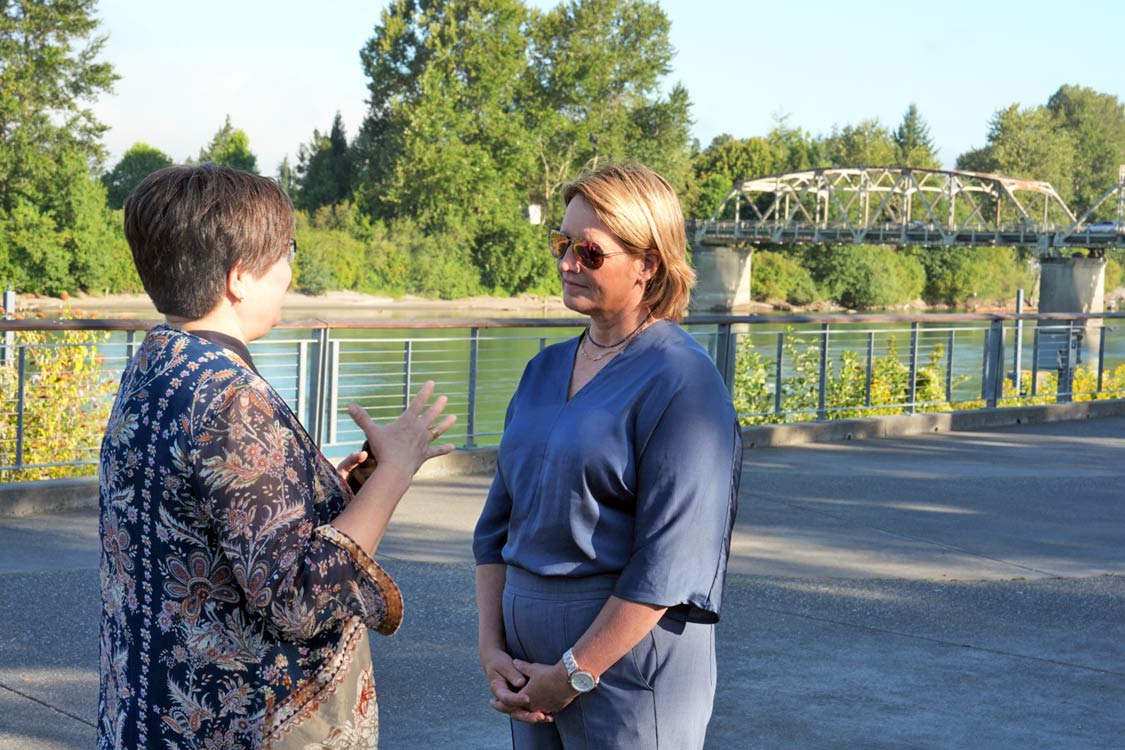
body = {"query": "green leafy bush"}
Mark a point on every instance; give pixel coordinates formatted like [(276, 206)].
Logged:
[(67, 398), (776, 277), (864, 276)]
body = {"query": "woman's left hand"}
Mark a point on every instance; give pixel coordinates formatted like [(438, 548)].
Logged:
[(344, 468), (548, 687)]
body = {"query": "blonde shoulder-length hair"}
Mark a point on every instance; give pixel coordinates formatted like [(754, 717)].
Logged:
[(643, 212)]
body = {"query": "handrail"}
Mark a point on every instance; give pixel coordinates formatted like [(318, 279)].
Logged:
[(126, 324)]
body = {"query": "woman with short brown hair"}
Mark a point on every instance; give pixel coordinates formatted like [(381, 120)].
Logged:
[(238, 583)]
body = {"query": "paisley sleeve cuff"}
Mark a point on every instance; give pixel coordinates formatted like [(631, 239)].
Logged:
[(379, 592)]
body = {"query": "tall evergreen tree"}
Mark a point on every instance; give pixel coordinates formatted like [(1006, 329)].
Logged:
[(324, 169), (55, 232), (913, 145)]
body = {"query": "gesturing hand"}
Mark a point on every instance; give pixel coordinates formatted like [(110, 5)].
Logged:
[(408, 441)]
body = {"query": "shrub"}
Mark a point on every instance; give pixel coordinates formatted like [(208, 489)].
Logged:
[(67, 398), (777, 277), (863, 276)]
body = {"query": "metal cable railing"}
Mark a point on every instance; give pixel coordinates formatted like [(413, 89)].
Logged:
[(58, 378)]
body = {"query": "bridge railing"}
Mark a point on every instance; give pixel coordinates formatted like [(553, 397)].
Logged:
[(58, 378)]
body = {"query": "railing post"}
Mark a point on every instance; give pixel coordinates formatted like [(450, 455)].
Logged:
[(301, 401), (1035, 363), (949, 366), (993, 374), (333, 393), (21, 379), (1101, 355), (1017, 358), (407, 370), (130, 345), (474, 359), (317, 386), (777, 384), (725, 355), (870, 366), (913, 387), (9, 336), (822, 384)]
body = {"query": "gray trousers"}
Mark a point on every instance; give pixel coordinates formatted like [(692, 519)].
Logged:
[(656, 697)]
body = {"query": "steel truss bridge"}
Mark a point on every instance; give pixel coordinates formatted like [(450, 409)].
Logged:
[(908, 206)]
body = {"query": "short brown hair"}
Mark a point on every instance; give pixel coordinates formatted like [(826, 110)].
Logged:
[(643, 212), (188, 226)]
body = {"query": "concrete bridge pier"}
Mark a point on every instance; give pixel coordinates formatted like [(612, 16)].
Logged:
[(723, 278), (1070, 285)]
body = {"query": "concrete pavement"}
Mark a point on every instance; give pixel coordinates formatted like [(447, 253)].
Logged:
[(961, 590)]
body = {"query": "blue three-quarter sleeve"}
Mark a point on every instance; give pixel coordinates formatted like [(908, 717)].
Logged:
[(688, 471)]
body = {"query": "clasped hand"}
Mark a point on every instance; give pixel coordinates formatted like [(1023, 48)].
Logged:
[(526, 691)]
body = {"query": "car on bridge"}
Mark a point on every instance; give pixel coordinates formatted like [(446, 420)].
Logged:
[(1106, 226)]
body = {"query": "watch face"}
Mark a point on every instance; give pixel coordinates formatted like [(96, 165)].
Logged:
[(583, 682)]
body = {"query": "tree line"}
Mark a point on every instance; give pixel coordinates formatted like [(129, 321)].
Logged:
[(478, 113)]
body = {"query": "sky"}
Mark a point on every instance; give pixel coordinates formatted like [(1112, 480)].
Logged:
[(281, 69)]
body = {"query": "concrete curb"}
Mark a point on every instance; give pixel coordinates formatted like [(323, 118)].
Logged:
[(48, 496), (59, 495), (902, 425)]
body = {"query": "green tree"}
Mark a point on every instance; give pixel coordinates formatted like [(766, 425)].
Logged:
[(867, 144), (913, 145), (324, 168), (725, 161), (52, 212), (444, 144), (49, 71), (480, 109), (230, 147), (596, 67), (860, 276), (1096, 125), (1025, 143), (287, 177), (797, 149), (137, 163)]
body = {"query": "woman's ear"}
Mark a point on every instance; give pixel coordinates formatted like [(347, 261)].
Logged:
[(651, 265), (237, 279)]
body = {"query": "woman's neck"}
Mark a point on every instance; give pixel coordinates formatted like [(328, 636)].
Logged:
[(222, 319), (609, 330)]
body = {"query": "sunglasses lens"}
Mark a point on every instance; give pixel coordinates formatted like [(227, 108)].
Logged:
[(558, 243), (590, 254)]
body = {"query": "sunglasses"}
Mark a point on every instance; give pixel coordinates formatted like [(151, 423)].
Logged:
[(589, 254)]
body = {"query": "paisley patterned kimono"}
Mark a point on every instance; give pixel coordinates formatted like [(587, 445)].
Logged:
[(234, 615)]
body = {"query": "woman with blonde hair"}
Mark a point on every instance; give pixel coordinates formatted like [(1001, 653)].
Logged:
[(602, 547)]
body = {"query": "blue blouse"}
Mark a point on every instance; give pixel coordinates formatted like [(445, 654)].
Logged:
[(636, 475)]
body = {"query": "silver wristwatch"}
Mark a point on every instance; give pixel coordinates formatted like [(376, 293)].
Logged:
[(580, 679)]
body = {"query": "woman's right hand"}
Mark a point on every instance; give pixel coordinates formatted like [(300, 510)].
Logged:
[(408, 442), (505, 682)]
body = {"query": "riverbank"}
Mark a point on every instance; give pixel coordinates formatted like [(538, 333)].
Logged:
[(329, 306), (338, 305)]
